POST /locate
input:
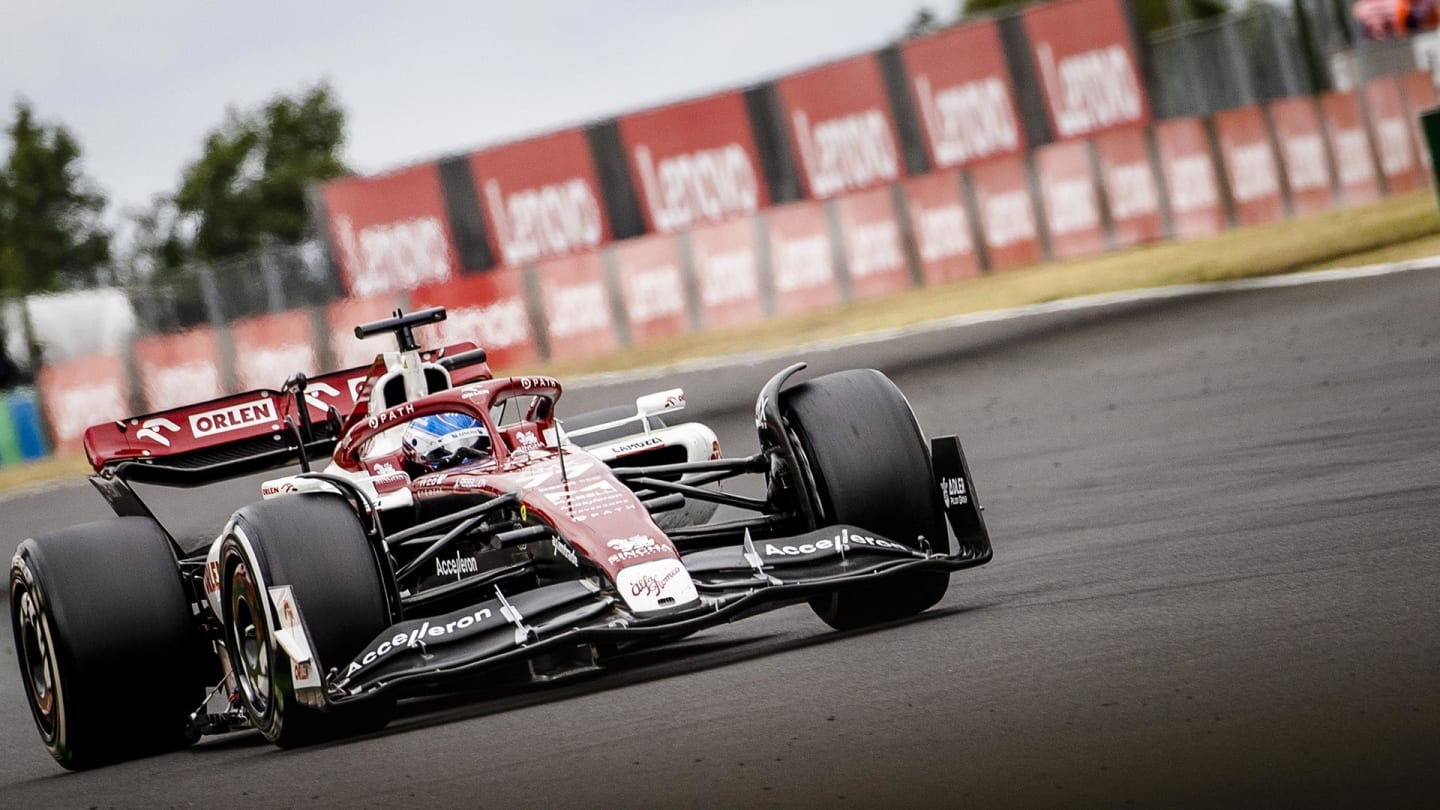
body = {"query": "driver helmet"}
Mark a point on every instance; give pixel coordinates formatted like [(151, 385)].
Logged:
[(444, 440)]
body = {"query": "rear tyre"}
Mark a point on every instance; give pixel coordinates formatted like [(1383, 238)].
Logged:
[(870, 466), (315, 544), (110, 655)]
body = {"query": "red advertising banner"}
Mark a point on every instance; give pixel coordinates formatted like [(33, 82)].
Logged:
[(1296, 122), (940, 226), (270, 348), (1190, 179), (874, 245), (727, 272), (178, 369), (1086, 62), (576, 305), (694, 162), (1392, 132), (391, 232), (1250, 166), (1418, 88), (348, 351), (840, 125), (541, 198), (802, 260), (962, 92), (1007, 213), (80, 393), (652, 287), (1350, 146), (1069, 199), (489, 310), (1127, 176)]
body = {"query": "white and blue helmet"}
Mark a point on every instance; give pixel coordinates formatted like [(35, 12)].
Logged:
[(445, 439)]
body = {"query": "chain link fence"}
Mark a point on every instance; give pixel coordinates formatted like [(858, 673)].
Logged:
[(1267, 52)]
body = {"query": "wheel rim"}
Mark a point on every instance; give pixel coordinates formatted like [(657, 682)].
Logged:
[(249, 638), (37, 663)]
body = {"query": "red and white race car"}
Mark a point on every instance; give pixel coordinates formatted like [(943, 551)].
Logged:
[(566, 543)]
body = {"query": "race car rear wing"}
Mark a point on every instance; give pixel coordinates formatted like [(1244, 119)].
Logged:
[(254, 430)]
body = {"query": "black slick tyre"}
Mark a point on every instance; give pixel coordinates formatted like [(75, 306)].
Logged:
[(110, 655), (316, 545), (870, 466)]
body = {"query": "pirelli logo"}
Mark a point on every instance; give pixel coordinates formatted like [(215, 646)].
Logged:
[(234, 417)]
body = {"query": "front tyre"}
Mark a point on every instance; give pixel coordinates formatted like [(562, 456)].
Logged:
[(869, 465), (110, 656), (315, 544)]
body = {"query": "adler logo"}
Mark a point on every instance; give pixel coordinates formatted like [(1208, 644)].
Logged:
[(846, 153), (727, 276), (1352, 155), (394, 255), (1305, 163), (942, 231), (233, 417), (655, 293), (1192, 184), (1132, 190), (1090, 90), (802, 262), (707, 185), (547, 221)]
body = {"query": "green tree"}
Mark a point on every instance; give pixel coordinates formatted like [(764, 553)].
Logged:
[(51, 234), (923, 21), (1154, 14), (248, 186)]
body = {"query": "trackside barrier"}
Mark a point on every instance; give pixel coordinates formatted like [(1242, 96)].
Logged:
[(1180, 178), (22, 408), (9, 442)]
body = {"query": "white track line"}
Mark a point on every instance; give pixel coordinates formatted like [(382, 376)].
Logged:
[(993, 316)]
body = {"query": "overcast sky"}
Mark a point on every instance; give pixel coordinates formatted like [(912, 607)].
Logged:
[(140, 82)]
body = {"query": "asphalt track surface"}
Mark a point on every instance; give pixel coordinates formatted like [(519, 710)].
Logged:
[(1217, 583)]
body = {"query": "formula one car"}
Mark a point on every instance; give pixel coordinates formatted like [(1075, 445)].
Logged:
[(548, 548)]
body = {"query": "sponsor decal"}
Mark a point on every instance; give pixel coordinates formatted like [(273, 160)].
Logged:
[(564, 550), (586, 501), (232, 417), (1132, 190), (1090, 90), (953, 492), (727, 275), (1071, 204), (577, 308), (537, 382), (1192, 184), (395, 414), (457, 566), (1252, 172), (393, 255), (499, 324), (841, 542), (1305, 162), (639, 445), (154, 430), (1008, 219), (967, 121), (875, 248), (270, 490), (427, 632), (943, 231), (550, 220), (801, 262), (655, 585), (637, 547), (706, 185), (526, 440), (655, 293), (846, 153), (650, 585)]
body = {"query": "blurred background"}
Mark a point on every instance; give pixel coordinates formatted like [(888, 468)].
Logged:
[(569, 178)]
